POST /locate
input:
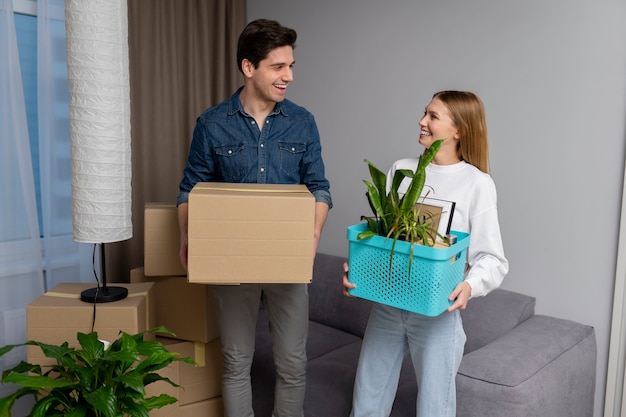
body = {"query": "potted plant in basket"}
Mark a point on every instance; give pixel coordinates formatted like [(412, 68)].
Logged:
[(94, 380), (401, 217), (412, 232)]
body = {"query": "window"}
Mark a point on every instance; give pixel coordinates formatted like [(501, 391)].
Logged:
[(41, 49), (55, 194), (26, 31)]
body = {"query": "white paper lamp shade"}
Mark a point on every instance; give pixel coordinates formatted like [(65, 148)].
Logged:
[(98, 76)]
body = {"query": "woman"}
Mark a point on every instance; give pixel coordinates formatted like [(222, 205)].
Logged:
[(459, 173)]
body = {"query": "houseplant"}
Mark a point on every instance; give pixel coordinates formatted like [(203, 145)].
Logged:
[(401, 217), (93, 380)]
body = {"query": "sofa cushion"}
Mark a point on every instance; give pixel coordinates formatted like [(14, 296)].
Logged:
[(489, 317), (330, 382), (519, 354), (327, 303), (326, 339)]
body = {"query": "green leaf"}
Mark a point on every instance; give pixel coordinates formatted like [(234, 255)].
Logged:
[(128, 358), (150, 348), (6, 404), (399, 176), (6, 349), (21, 368), (154, 377), (134, 409), (104, 400), (419, 178), (92, 348), (87, 377), (41, 407), (36, 381), (374, 199), (133, 380), (158, 402), (54, 351), (378, 177)]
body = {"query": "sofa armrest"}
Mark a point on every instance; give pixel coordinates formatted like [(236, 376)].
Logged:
[(492, 316), (544, 367)]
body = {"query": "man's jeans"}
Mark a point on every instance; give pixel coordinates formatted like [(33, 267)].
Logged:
[(287, 306)]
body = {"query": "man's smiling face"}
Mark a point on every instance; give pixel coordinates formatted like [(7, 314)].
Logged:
[(274, 73)]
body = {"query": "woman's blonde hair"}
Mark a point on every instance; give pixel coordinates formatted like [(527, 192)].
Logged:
[(468, 113)]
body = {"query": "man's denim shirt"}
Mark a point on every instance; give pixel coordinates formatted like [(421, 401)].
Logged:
[(228, 146)]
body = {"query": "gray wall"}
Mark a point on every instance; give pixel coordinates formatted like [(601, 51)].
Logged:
[(552, 75)]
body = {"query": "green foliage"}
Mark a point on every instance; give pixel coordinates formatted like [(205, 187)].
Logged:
[(400, 217), (93, 381)]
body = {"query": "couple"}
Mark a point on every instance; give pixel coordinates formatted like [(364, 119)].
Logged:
[(255, 124)]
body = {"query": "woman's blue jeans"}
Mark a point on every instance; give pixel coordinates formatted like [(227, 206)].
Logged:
[(287, 306), (436, 347)]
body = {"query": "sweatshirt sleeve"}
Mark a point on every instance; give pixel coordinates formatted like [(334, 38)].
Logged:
[(487, 264)]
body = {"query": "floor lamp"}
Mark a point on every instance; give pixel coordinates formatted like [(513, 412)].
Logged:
[(98, 78)]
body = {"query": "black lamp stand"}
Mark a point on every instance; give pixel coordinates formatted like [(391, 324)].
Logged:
[(103, 294)]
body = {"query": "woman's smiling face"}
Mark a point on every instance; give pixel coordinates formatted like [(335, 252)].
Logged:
[(437, 124)]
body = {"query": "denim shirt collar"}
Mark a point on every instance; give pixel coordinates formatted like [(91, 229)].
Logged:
[(234, 106)]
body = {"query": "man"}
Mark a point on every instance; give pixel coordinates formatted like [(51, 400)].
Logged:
[(257, 136)]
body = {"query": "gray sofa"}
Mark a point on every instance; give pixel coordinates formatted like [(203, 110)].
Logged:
[(516, 363)]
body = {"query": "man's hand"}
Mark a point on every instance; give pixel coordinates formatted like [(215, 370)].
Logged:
[(183, 216)]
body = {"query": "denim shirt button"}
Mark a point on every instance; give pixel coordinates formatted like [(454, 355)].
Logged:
[(293, 149), (262, 145), (262, 169), (230, 152)]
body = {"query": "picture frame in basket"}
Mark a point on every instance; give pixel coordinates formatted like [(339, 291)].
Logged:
[(439, 212)]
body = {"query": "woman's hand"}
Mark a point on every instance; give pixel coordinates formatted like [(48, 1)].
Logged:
[(461, 296), (347, 284)]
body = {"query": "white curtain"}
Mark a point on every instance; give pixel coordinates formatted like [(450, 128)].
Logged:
[(21, 276), (26, 257), (61, 254)]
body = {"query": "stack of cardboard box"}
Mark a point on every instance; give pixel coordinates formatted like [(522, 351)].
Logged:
[(58, 315), (238, 233), (187, 310)]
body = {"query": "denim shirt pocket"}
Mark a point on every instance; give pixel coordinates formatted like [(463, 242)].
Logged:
[(231, 162), (291, 154)]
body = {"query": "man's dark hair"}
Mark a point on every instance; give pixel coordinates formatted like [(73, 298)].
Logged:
[(260, 37)]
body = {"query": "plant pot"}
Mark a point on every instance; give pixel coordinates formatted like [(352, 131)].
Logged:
[(435, 271)]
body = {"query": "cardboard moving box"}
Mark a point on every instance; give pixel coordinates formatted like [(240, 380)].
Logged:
[(58, 315), (197, 383), (213, 407), (244, 233), (187, 310), (161, 240)]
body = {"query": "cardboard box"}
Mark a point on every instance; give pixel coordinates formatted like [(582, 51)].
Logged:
[(207, 408), (186, 309), (250, 233), (197, 383), (58, 315), (162, 240)]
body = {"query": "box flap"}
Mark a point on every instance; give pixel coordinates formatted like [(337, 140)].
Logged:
[(252, 187)]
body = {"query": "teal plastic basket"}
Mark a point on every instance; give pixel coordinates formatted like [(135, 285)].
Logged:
[(435, 272)]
